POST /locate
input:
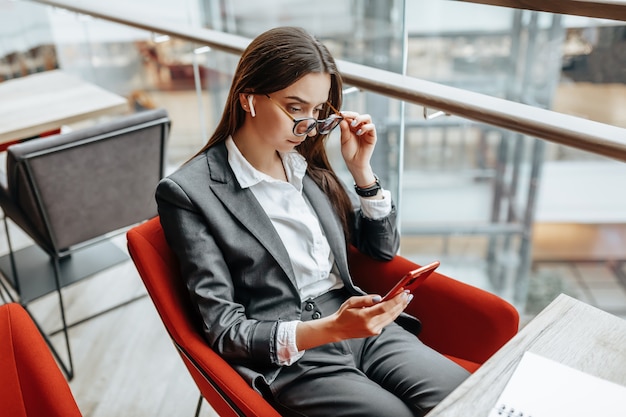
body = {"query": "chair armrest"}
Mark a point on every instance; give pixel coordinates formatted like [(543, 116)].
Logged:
[(457, 319)]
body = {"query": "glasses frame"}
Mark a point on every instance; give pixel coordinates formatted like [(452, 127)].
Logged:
[(314, 122)]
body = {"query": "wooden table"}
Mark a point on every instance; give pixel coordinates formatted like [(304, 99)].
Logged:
[(45, 101), (568, 331)]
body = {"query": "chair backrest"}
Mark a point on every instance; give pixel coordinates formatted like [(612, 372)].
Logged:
[(78, 186), (31, 383), (219, 383)]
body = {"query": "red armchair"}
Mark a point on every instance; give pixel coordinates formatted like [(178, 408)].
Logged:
[(465, 323), (31, 382)]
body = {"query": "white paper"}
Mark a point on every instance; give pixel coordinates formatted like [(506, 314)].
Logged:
[(541, 387)]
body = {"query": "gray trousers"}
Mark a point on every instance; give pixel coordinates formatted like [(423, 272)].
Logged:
[(393, 374)]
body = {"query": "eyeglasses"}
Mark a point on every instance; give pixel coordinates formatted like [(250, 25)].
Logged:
[(303, 126)]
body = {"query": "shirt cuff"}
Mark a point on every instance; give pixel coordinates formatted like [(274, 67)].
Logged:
[(376, 208), (287, 350)]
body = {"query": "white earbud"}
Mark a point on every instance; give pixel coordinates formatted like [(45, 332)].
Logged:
[(252, 112)]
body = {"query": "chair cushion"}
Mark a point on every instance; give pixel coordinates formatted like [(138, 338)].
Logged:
[(467, 364)]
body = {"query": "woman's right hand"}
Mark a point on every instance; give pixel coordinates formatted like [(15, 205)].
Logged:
[(358, 316)]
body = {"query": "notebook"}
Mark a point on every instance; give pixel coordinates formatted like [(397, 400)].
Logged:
[(541, 387)]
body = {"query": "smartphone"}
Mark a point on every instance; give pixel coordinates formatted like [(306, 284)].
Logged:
[(412, 279)]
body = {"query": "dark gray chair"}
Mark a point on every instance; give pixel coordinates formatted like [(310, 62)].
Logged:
[(70, 194)]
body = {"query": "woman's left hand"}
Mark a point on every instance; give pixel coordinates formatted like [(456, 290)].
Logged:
[(358, 139)]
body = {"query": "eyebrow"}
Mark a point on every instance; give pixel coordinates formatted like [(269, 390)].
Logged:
[(302, 101)]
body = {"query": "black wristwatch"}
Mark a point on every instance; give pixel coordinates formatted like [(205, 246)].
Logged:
[(370, 191)]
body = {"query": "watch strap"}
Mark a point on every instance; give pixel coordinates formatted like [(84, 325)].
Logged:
[(369, 191)]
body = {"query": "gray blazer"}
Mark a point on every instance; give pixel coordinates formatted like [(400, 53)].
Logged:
[(235, 265)]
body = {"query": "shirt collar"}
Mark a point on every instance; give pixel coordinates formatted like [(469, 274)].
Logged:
[(247, 175)]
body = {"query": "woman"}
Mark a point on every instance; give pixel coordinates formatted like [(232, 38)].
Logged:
[(260, 224)]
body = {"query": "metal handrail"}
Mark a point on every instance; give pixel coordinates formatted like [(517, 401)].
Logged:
[(607, 9), (598, 138)]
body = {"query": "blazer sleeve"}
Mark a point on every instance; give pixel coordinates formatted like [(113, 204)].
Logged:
[(377, 238), (227, 328)]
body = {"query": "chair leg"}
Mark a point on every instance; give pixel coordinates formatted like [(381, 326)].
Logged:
[(4, 289), (199, 406), (66, 366), (16, 284), (69, 368), (100, 313), (68, 371)]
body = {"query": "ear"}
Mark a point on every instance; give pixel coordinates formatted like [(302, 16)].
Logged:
[(247, 103)]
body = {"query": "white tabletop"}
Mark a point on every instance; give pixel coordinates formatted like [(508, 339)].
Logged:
[(45, 101), (568, 331)]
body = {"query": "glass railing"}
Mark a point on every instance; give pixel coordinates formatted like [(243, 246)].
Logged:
[(475, 104)]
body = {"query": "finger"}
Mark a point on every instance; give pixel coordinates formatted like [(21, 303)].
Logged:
[(349, 115), (402, 298), (355, 119), (362, 301), (407, 299), (365, 128), (345, 128), (382, 318), (361, 120), (396, 304)]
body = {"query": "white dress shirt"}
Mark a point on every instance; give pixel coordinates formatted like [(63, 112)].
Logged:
[(299, 229)]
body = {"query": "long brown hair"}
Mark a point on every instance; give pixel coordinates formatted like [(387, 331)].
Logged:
[(273, 61)]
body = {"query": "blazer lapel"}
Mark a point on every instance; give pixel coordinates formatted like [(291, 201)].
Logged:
[(245, 207)]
